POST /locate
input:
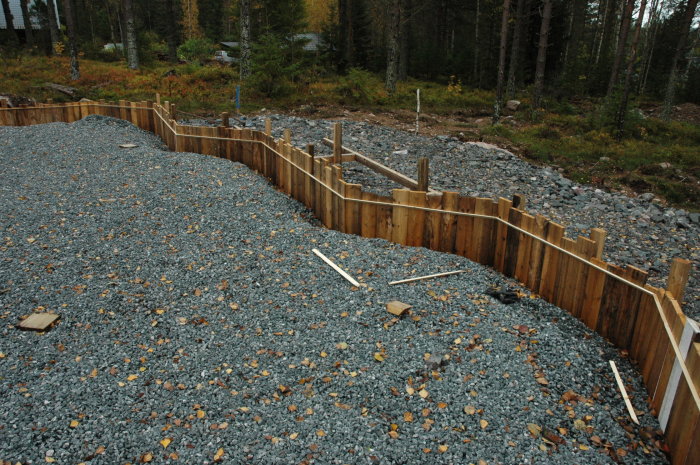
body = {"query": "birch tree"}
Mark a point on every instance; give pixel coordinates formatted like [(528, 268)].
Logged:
[(392, 50), (9, 21), (132, 49), (69, 13)]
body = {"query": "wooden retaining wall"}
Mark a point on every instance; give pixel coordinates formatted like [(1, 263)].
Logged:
[(614, 301)]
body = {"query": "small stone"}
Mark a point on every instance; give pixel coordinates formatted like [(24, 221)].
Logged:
[(512, 105), (665, 165)]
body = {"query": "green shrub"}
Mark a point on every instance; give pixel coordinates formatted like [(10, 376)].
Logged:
[(360, 86), (273, 74), (196, 50)]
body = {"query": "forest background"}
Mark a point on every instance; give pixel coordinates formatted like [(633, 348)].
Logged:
[(609, 90)]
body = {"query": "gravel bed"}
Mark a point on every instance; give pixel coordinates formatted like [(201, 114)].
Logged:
[(197, 326), (641, 230)]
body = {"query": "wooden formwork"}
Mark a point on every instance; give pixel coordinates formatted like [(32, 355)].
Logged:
[(614, 301)]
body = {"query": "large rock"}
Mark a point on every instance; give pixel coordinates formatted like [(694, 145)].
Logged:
[(512, 105)]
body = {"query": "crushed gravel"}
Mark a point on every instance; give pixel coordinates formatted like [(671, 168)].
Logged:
[(642, 231), (196, 325)]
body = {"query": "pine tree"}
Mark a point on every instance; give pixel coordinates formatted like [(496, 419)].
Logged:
[(190, 20)]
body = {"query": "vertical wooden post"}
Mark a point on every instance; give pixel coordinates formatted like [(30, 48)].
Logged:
[(158, 98), (288, 136), (598, 236), (423, 174), (268, 126), (678, 278), (311, 149), (225, 120), (49, 101), (337, 142), (173, 111), (519, 201), (166, 105)]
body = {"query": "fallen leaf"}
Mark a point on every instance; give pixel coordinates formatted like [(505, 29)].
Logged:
[(542, 380), (483, 424), (201, 413), (342, 345), (379, 357), (147, 457), (165, 442), (470, 410), (534, 429), (219, 454), (579, 425), (442, 448), (423, 393), (131, 377), (74, 423), (320, 433), (408, 417)]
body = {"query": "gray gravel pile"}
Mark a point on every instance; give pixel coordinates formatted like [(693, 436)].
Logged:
[(641, 230), (197, 326)]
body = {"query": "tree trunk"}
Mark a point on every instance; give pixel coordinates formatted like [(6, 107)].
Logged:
[(404, 33), (572, 65), (542, 53), (245, 39), (9, 20), (72, 41), (476, 43), (132, 48), (392, 48), (501, 62), (632, 61), (171, 28), (515, 49), (621, 46), (28, 30), (53, 24), (680, 50), (649, 43)]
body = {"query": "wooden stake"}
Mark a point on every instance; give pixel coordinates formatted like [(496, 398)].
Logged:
[(336, 267), (288, 136), (423, 174), (337, 142), (158, 98), (598, 236), (224, 120), (427, 277), (519, 201), (630, 409), (678, 278), (311, 149), (268, 126)]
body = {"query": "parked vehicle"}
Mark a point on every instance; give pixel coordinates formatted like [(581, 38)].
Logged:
[(222, 56)]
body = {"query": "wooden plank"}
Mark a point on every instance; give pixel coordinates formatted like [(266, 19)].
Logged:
[(397, 308), (369, 216), (513, 236), (337, 142), (353, 220), (585, 248), (550, 262), (384, 218), (430, 276), (562, 279), (623, 391), (416, 230), (682, 431), (527, 223), (464, 225), (484, 230), (38, 321), (342, 273), (593, 294), (399, 218), (504, 206), (431, 237), (678, 278), (536, 253), (448, 227), (423, 174)]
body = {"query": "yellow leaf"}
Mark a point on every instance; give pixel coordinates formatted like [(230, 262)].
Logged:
[(410, 390), (74, 423), (441, 405), (423, 393), (131, 377), (201, 413), (342, 345), (534, 429), (378, 357), (583, 447), (484, 424), (293, 435), (147, 457), (320, 433), (165, 442), (470, 410), (324, 354), (50, 459), (442, 448), (219, 454), (408, 417)]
